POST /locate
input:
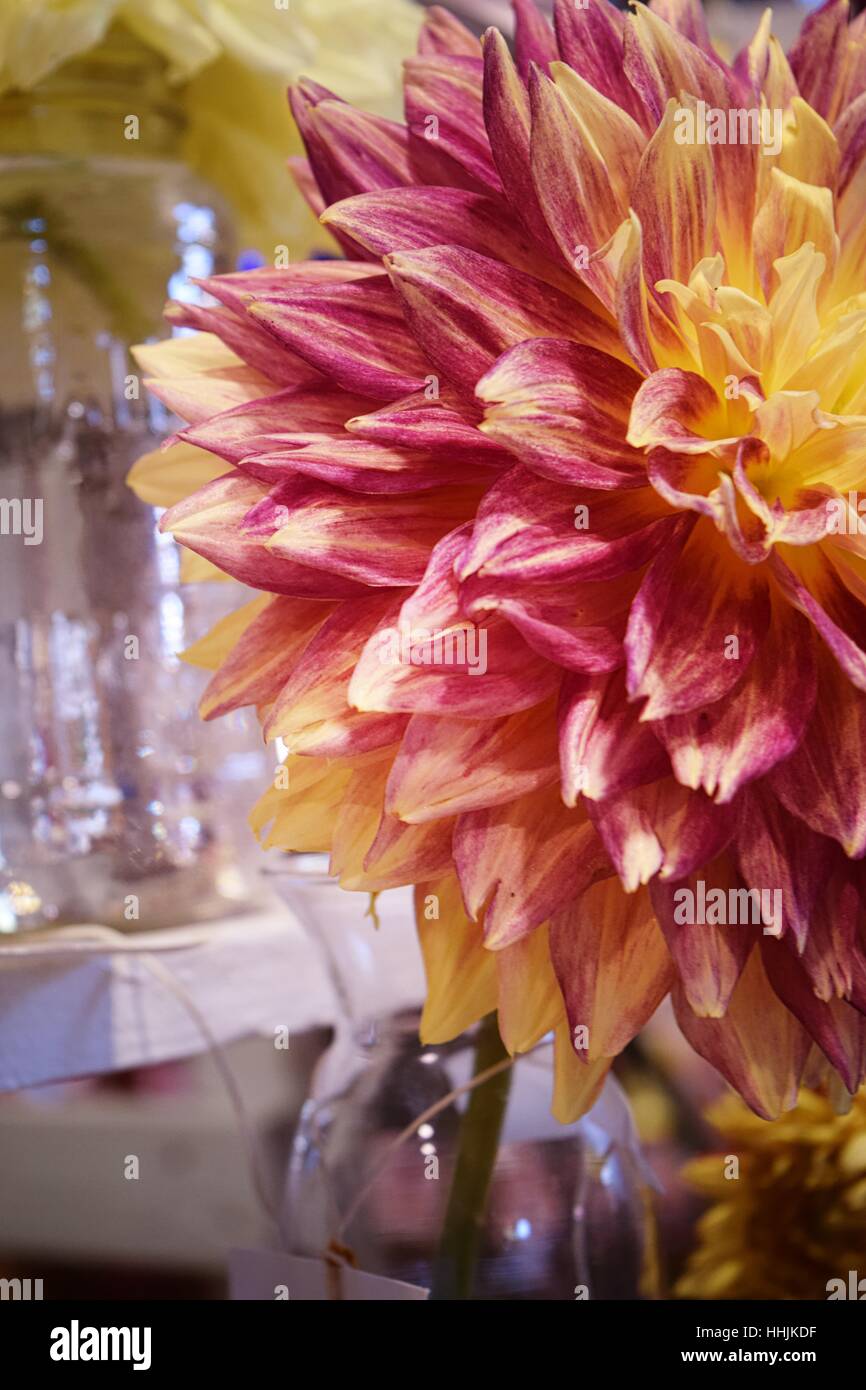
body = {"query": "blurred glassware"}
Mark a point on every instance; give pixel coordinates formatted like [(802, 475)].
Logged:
[(117, 805), (229, 63), (568, 1203)]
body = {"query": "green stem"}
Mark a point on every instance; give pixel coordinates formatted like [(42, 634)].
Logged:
[(480, 1128)]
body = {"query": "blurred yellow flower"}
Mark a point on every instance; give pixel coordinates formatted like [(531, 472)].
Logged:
[(790, 1215), (232, 61)]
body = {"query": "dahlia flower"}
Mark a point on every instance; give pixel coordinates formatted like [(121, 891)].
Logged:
[(597, 394), (790, 1220)]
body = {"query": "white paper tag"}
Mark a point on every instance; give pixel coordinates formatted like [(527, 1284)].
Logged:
[(272, 1276)]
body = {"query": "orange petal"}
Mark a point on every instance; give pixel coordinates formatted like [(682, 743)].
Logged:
[(461, 974), (585, 155), (674, 195), (709, 956), (447, 766), (576, 1084), (261, 656), (298, 813), (373, 851), (520, 862), (530, 1002), (759, 1047), (612, 964)]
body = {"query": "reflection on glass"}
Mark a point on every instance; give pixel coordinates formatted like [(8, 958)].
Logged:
[(117, 805)]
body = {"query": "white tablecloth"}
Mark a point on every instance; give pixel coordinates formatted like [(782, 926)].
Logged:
[(62, 1018)]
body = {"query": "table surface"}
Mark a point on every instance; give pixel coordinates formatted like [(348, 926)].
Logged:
[(63, 1017)]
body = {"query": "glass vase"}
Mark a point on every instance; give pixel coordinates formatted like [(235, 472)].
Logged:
[(567, 1212), (116, 805)]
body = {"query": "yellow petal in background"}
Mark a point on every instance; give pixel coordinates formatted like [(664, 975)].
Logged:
[(195, 569), (172, 28), (231, 61), (186, 356), (210, 651), (240, 132), (166, 476), (36, 36)]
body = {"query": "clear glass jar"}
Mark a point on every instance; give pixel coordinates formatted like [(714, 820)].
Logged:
[(116, 805), (566, 1215), (567, 1210)]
